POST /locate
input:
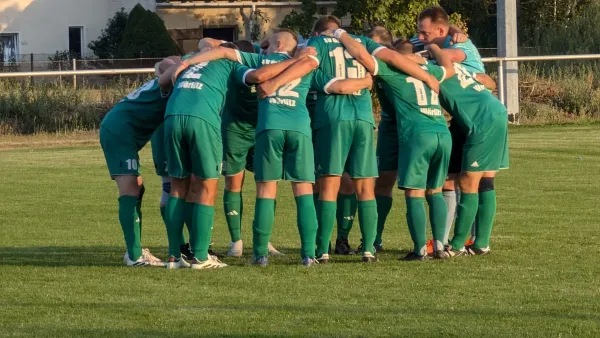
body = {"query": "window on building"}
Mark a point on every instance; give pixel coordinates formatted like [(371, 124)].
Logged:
[(226, 34), (9, 47), (76, 41)]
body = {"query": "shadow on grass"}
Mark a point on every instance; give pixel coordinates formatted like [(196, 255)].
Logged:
[(112, 256), (62, 256)]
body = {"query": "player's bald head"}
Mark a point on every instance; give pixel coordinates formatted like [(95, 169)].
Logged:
[(283, 40), (162, 66), (381, 35)]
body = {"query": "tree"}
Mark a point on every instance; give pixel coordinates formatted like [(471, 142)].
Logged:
[(106, 46), (302, 22), (399, 16), (146, 36)]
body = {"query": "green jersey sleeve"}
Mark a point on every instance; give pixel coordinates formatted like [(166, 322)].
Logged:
[(257, 48), (372, 46), (437, 71), (239, 74), (249, 59), (317, 44), (383, 70), (321, 81)]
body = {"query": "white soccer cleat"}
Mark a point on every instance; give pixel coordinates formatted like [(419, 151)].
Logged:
[(174, 263), (139, 262), (236, 249), (154, 261), (273, 251), (211, 263)]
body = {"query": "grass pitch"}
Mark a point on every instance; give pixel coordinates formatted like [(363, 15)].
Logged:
[(61, 271)]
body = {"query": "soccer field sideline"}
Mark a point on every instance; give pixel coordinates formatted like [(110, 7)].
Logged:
[(61, 249)]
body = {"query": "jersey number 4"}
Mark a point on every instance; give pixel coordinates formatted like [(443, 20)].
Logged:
[(340, 55)]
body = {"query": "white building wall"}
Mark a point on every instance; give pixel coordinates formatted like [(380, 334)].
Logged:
[(43, 25)]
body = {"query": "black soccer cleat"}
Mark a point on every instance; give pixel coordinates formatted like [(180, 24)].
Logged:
[(342, 247), (414, 257), (473, 251), (186, 251)]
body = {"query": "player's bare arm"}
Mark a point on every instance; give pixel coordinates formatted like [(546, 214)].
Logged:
[(349, 86), (442, 59), (458, 36), (399, 61), (486, 80), (210, 55), (268, 72), (300, 69)]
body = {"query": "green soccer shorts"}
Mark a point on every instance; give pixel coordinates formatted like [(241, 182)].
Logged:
[(193, 147), (486, 147), (238, 151), (458, 142), (424, 161), (283, 155), (387, 146), (346, 146), (122, 157), (159, 153)]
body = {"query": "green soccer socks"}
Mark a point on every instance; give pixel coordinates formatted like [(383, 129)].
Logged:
[(384, 205), (307, 225), (466, 211), (417, 224), (262, 226), (233, 204), (202, 225), (130, 223), (346, 209), (367, 219), (326, 218), (438, 214), (485, 218)]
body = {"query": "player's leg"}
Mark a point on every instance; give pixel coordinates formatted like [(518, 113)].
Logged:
[(178, 167), (268, 168), (235, 155), (497, 159), (450, 190), (122, 161), (362, 167), (436, 175), (346, 211), (415, 155), (159, 157), (299, 169), (330, 161), (387, 166), (205, 151)]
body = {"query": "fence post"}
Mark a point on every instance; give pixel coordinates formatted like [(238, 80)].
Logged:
[(31, 66), (74, 76), (501, 82), (60, 70)]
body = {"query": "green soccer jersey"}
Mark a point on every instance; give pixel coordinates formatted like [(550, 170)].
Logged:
[(240, 113), (388, 112), (417, 107), (201, 89), (138, 114), (335, 62), (286, 108), (467, 100)]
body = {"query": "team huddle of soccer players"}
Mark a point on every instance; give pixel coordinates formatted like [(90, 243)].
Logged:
[(304, 114)]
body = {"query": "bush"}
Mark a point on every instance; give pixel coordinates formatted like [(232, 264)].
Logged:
[(146, 36), (107, 45)]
